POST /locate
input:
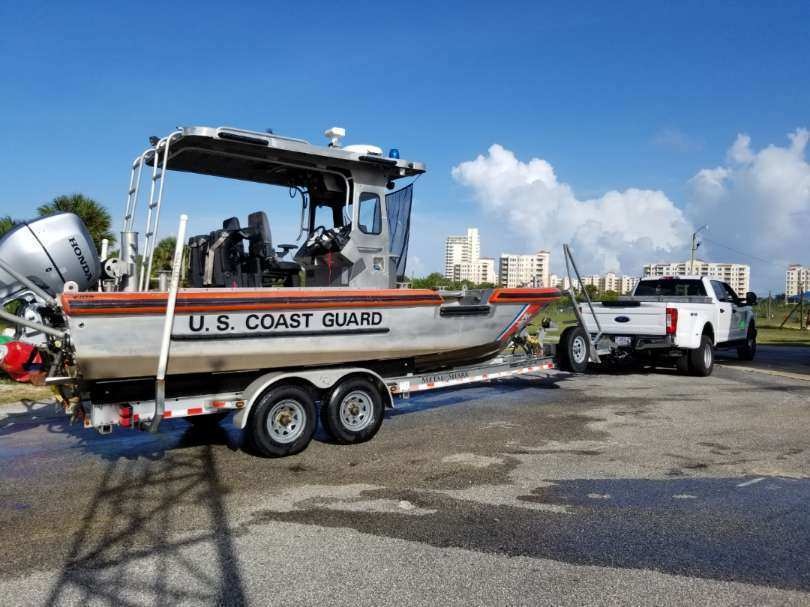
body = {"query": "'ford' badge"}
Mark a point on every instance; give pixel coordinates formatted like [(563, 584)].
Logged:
[(622, 319)]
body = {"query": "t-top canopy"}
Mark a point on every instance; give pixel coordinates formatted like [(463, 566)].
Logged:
[(270, 158)]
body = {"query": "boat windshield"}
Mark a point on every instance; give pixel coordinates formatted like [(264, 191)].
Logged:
[(398, 207)]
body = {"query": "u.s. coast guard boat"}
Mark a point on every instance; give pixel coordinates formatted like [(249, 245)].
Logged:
[(251, 306)]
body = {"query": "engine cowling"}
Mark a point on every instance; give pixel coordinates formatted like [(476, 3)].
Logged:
[(50, 251)]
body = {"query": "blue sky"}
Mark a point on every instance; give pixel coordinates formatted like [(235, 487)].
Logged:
[(613, 95)]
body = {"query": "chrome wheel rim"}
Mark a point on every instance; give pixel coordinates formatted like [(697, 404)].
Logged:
[(356, 411), (579, 349), (286, 421), (707, 357)]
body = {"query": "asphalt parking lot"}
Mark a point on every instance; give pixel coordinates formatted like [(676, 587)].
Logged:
[(604, 488)]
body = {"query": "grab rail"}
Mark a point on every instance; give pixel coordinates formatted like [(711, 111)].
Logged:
[(168, 323)]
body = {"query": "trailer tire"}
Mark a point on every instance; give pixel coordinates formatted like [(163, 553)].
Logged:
[(283, 421), (354, 411), (701, 360), (572, 351)]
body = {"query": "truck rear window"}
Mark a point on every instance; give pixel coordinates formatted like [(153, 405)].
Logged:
[(670, 287)]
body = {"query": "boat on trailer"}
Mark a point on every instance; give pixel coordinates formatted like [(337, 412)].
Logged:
[(252, 307)]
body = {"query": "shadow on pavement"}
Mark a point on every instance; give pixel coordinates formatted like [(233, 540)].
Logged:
[(155, 531), (791, 359)]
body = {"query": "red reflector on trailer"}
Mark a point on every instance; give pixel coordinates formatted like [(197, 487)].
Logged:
[(195, 411)]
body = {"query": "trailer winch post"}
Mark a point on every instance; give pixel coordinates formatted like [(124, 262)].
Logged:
[(569, 263), (168, 323)]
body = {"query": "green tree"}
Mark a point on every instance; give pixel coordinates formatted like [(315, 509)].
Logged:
[(163, 255), (592, 291), (610, 296), (431, 281), (6, 223), (96, 218)]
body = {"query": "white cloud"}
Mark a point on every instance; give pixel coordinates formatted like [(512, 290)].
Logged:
[(618, 231), (758, 204)]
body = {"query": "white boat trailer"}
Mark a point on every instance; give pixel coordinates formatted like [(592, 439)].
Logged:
[(139, 414)]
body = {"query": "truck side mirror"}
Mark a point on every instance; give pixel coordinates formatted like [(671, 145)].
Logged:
[(751, 298)]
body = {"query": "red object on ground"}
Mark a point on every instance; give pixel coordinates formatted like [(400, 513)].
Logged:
[(21, 361)]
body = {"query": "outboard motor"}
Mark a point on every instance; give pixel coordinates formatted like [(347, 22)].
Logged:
[(50, 251)]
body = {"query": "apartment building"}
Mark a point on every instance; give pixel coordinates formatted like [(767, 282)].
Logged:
[(623, 285), (797, 279), (737, 275), (462, 259), (478, 271), (461, 249), (525, 270)]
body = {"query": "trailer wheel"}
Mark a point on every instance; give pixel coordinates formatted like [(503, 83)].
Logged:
[(283, 421), (353, 412), (702, 359), (572, 351)]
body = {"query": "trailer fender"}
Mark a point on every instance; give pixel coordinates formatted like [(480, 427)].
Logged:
[(322, 379)]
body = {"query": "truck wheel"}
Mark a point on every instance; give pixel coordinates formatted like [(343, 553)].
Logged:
[(701, 360), (354, 411), (282, 421), (749, 350), (572, 351)]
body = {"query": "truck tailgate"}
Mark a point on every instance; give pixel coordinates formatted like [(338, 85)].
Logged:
[(643, 319)]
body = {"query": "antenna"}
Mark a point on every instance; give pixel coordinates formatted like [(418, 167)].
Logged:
[(334, 135)]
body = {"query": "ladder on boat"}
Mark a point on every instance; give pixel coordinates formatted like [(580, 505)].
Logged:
[(158, 154)]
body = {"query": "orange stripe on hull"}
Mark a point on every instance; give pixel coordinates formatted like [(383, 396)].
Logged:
[(544, 296), (83, 304)]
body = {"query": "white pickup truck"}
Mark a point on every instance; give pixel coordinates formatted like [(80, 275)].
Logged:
[(675, 319)]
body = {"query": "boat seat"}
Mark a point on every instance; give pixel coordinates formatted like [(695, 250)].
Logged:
[(259, 239), (220, 259)]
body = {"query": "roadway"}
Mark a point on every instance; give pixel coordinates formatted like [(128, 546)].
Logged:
[(603, 488)]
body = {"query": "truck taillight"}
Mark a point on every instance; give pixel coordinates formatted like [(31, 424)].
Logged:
[(672, 321)]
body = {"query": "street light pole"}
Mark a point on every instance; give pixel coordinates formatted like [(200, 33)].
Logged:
[(695, 245)]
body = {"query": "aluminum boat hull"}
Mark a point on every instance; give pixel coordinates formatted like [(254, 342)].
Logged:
[(117, 335)]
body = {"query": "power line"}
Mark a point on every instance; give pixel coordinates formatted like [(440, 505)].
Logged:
[(744, 254)]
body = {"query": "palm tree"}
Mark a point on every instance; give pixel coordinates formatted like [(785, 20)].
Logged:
[(164, 255), (95, 217), (6, 223)]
